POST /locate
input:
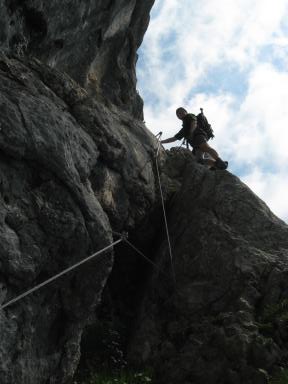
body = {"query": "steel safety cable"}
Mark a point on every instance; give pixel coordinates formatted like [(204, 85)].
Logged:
[(164, 210), (53, 278)]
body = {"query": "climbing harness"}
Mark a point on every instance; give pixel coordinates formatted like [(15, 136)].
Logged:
[(184, 142), (53, 278), (158, 136)]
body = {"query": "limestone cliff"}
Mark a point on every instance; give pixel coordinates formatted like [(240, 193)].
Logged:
[(95, 42), (225, 321), (71, 150), (76, 163)]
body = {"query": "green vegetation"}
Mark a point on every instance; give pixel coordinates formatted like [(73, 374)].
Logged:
[(274, 312), (121, 378), (280, 378), (271, 315), (268, 324), (103, 358)]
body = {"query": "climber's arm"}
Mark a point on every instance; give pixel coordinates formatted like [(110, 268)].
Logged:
[(178, 136), (170, 140)]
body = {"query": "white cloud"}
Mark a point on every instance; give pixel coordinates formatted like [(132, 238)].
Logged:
[(261, 122), (184, 44), (202, 35), (272, 188)]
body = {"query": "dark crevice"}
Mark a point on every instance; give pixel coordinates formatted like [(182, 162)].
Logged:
[(4, 66), (14, 5), (99, 38), (57, 329), (121, 301), (35, 24), (108, 5), (59, 43)]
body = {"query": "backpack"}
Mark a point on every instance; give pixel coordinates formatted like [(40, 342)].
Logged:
[(203, 124)]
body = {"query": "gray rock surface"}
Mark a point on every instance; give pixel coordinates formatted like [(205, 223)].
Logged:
[(95, 42), (230, 256), (66, 163), (76, 163), (71, 167)]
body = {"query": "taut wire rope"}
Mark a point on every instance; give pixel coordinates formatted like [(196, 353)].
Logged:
[(123, 237), (74, 266), (158, 136)]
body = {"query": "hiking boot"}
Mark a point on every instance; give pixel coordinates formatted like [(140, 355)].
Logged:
[(220, 164)]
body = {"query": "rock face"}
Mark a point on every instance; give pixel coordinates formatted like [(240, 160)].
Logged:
[(95, 42), (231, 262), (76, 164), (71, 170)]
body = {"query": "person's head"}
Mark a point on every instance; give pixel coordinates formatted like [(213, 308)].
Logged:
[(181, 113)]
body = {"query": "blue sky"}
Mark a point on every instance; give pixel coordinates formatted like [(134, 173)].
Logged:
[(230, 58)]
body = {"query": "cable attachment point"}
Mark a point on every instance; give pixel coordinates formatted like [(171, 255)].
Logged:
[(124, 236), (159, 134)]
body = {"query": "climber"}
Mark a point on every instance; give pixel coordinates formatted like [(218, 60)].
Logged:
[(197, 138)]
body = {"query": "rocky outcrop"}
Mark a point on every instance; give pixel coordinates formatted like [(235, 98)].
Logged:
[(66, 163), (94, 42), (231, 264), (77, 164), (71, 165)]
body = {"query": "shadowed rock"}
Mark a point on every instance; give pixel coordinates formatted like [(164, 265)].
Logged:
[(95, 42), (76, 163), (231, 261), (70, 167)]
